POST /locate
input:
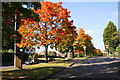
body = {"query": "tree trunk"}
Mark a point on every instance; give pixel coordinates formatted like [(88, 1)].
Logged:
[(72, 54), (46, 46), (46, 53)]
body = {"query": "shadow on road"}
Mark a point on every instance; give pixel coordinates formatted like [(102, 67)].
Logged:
[(107, 70), (95, 60)]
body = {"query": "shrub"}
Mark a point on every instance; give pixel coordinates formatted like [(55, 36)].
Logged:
[(10, 51), (7, 51), (52, 53), (9, 58)]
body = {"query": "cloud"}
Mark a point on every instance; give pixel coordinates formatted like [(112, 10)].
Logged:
[(89, 31)]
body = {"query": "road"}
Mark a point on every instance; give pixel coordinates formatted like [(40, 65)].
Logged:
[(98, 67)]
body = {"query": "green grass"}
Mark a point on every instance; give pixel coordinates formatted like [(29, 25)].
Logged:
[(37, 71)]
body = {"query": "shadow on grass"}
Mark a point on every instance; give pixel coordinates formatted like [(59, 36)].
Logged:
[(12, 63), (30, 74)]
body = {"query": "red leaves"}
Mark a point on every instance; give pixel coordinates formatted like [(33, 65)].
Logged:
[(41, 43), (79, 51), (19, 45), (59, 3), (42, 35), (14, 36), (49, 10), (53, 27), (49, 32), (73, 26), (37, 11), (27, 20)]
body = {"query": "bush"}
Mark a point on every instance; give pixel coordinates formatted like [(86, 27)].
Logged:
[(52, 53), (10, 51), (7, 51), (81, 55), (118, 49)]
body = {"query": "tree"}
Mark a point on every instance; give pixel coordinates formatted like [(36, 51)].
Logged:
[(98, 52), (83, 40), (69, 35), (118, 50), (48, 30), (110, 36), (9, 10)]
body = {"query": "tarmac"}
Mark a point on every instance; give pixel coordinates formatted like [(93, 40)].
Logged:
[(92, 68)]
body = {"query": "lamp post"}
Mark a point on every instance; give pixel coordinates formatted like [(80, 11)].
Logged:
[(84, 47), (15, 45)]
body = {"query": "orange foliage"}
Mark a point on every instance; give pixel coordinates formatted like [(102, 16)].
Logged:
[(82, 40), (79, 51), (48, 29)]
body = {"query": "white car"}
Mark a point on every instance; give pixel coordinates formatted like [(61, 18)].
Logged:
[(31, 61)]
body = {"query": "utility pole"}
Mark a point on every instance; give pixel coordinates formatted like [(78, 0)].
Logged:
[(15, 45)]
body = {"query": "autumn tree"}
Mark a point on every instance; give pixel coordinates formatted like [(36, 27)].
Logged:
[(48, 30), (68, 35), (98, 52), (83, 40)]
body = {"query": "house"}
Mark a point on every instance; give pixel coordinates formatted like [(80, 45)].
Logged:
[(29, 51), (41, 53)]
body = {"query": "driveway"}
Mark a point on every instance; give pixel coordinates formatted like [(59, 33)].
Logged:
[(98, 67)]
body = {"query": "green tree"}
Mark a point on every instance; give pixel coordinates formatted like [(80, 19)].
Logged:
[(118, 50), (110, 37), (9, 10)]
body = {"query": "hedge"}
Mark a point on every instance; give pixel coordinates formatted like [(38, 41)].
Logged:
[(8, 58)]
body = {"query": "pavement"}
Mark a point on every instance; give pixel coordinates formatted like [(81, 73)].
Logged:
[(8, 67), (91, 68), (11, 66)]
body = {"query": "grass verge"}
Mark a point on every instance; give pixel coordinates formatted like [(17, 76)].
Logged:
[(80, 58), (37, 71)]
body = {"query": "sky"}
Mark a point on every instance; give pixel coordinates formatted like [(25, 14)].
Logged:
[(93, 17)]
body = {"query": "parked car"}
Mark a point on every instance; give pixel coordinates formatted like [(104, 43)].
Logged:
[(51, 59), (31, 61), (68, 58)]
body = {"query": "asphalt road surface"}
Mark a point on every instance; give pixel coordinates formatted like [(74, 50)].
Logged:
[(92, 68)]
